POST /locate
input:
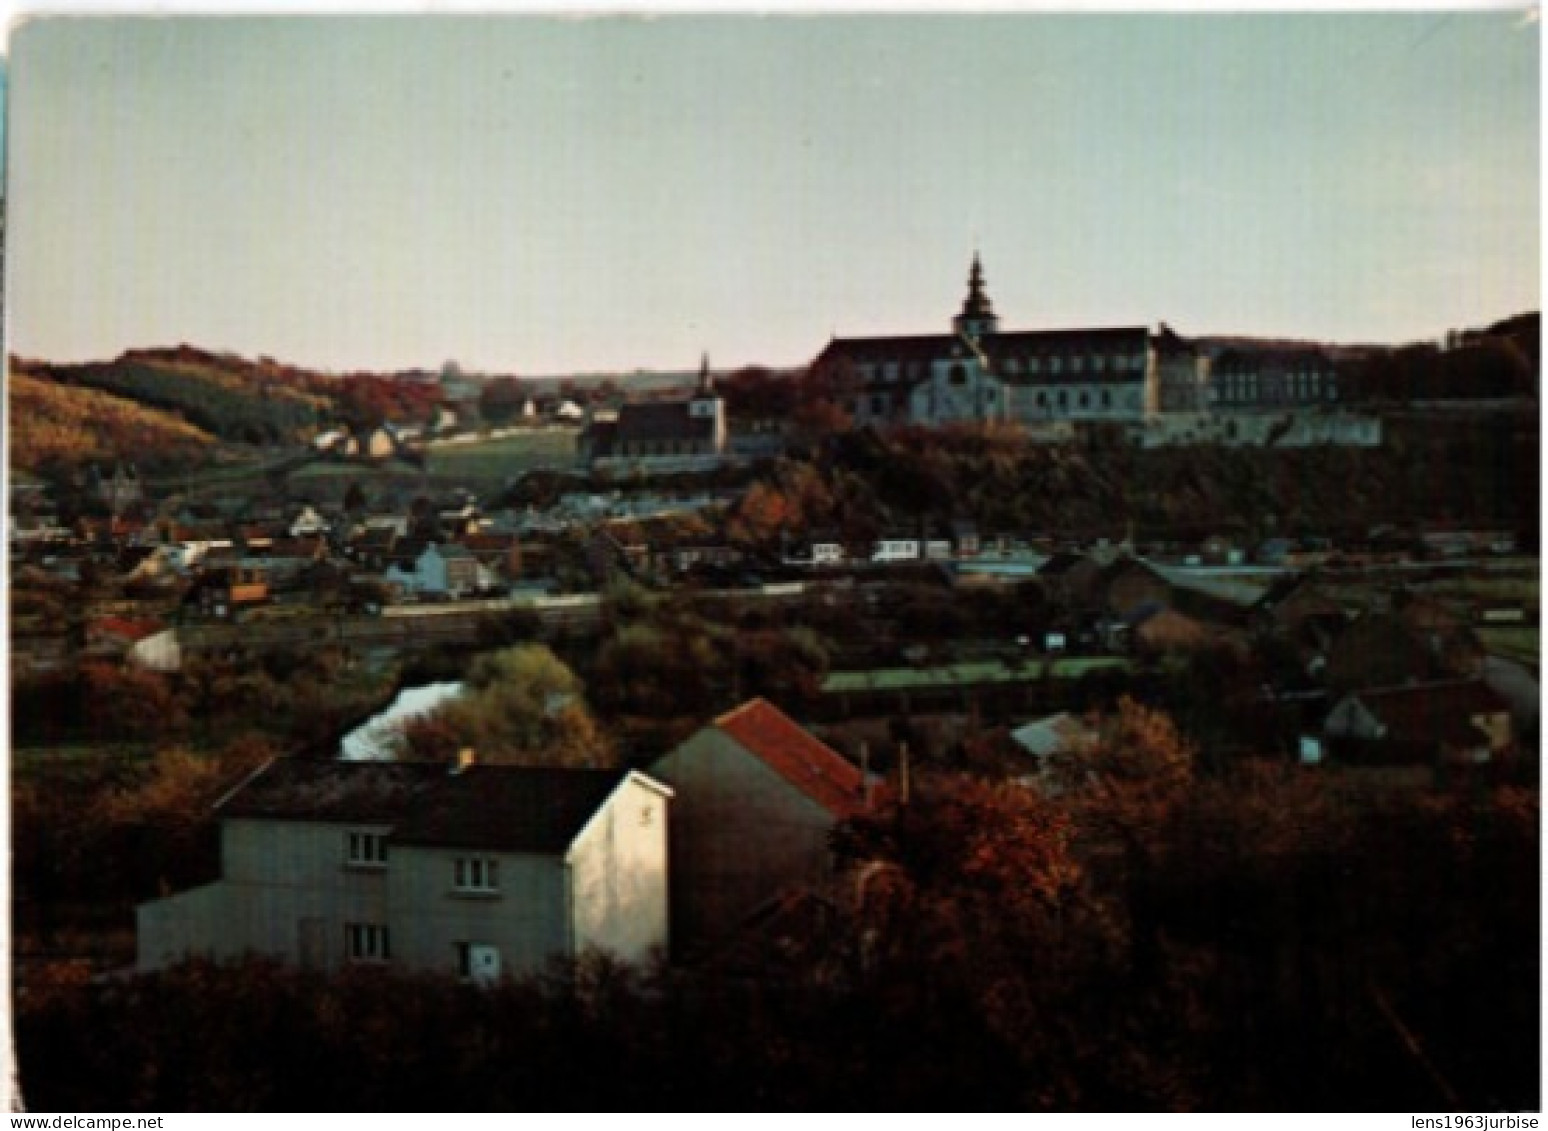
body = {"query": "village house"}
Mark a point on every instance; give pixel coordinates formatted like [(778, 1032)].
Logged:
[(474, 870), (757, 797), (664, 430), (434, 569), (113, 637), (225, 591)]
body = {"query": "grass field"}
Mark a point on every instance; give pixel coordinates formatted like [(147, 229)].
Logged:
[(507, 456)]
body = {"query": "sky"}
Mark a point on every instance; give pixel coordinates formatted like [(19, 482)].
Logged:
[(543, 195)]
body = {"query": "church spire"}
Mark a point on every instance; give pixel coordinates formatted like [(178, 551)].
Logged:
[(977, 317)]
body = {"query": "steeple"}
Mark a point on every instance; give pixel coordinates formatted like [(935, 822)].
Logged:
[(977, 317)]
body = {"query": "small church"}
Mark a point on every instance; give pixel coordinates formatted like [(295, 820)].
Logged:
[(694, 426)]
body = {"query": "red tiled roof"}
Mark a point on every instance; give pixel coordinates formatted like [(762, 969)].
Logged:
[(814, 768)]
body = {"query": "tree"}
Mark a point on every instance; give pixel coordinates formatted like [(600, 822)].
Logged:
[(1125, 791), (521, 706)]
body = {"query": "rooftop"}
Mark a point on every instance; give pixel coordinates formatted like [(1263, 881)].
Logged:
[(811, 766), (498, 808)]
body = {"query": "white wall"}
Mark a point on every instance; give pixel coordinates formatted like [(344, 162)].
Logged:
[(618, 874)]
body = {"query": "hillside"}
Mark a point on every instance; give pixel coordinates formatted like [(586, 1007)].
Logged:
[(225, 396), (63, 424), (1107, 489)]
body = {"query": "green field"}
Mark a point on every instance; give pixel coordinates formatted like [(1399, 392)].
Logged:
[(507, 456)]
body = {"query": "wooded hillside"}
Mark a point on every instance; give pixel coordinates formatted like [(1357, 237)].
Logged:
[(63, 424)]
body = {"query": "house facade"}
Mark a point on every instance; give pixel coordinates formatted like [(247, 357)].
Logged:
[(481, 871), (756, 798)]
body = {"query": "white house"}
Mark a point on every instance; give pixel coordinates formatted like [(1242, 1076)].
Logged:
[(479, 871)]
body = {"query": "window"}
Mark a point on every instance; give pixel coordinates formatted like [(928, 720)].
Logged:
[(476, 874), (1032, 365), (365, 850), (367, 942), (1085, 399), (1042, 400), (958, 375), (1107, 399), (1097, 363), (1076, 364)]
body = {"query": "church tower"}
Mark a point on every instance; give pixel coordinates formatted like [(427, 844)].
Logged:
[(977, 318), (707, 404)]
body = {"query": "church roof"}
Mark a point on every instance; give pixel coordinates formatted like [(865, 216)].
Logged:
[(1017, 346), (662, 420)]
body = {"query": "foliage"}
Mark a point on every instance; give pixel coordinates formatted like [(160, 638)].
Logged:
[(520, 706), (229, 400), (62, 425), (861, 483), (1316, 950), (107, 827), (674, 661)]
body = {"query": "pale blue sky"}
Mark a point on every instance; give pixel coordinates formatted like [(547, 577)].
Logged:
[(543, 195)]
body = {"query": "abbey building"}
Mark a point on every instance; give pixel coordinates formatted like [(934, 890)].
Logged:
[(979, 373)]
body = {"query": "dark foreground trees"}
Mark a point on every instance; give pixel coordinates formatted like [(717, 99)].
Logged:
[(1151, 937)]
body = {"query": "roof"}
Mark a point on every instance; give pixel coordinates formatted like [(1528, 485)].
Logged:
[(1233, 361), (1060, 564), (497, 808), (813, 767), (507, 808), (1043, 736), (307, 789), (1018, 346), (1431, 710), (125, 628)]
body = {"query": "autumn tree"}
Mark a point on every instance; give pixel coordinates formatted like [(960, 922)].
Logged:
[(521, 706), (1125, 790)]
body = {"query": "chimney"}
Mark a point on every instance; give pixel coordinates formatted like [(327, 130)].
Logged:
[(465, 759)]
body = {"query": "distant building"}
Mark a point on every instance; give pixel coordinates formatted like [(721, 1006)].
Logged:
[(979, 374), (1244, 380), (682, 428), (119, 488)]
